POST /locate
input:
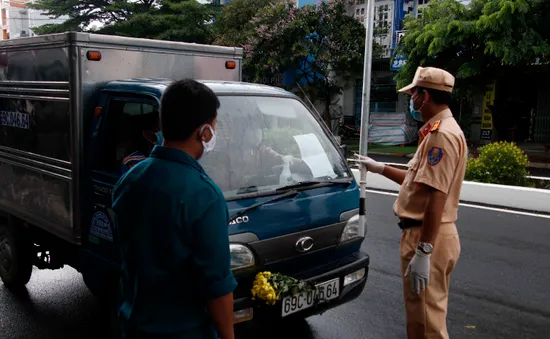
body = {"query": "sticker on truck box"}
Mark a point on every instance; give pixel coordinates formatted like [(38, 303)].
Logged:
[(15, 119), (101, 226)]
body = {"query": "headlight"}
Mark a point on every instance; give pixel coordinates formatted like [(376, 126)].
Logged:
[(353, 277), (353, 229), (241, 256)]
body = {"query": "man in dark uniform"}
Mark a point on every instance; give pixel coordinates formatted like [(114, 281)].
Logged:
[(173, 229)]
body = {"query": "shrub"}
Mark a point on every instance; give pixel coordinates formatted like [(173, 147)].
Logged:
[(499, 163)]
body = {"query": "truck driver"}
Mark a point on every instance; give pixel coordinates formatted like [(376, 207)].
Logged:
[(143, 145)]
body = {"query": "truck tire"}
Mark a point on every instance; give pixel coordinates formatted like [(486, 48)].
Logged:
[(16, 253)]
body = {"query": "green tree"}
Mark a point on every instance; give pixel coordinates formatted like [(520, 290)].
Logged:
[(81, 13), (234, 25), (482, 41), (187, 21), (177, 20), (322, 43)]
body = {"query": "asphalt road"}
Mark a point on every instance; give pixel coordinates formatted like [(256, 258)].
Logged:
[(500, 288)]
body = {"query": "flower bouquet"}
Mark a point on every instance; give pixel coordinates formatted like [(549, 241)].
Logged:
[(271, 287)]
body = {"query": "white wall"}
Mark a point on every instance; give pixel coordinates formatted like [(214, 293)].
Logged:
[(22, 20), (18, 22), (38, 18)]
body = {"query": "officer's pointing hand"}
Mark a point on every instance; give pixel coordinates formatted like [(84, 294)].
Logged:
[(371, 165), (419, 268)]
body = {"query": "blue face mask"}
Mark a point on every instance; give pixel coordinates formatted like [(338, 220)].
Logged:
[(414, 113), (160, 138)]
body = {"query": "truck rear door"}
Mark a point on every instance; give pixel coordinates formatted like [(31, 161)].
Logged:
[(122, 123)]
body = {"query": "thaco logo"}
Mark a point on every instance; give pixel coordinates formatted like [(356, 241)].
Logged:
[(239, 220)]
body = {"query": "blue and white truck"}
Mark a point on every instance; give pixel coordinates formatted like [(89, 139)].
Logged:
[(70, 105)]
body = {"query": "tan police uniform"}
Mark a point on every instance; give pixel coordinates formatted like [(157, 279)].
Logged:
[(440, 162)]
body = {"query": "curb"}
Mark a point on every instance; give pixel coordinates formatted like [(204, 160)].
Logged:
[(512, 197), (539, 165)]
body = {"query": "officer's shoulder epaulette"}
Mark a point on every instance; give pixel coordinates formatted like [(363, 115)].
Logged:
[(436, 125)]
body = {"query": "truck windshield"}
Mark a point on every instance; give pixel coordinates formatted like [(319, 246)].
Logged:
[(265, 143)]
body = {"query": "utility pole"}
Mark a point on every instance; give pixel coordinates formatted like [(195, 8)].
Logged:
[(367, 74), (365, 109)]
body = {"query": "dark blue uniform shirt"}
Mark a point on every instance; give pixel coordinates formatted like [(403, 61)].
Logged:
[(173, 233)]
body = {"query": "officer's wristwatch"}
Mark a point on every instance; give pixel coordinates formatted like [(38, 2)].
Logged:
[(425, 247)]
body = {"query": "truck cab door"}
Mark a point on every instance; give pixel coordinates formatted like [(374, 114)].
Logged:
[(118, 134)]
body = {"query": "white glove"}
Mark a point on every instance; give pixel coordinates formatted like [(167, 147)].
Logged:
[(419, 268), (371, 165), (288, 158)]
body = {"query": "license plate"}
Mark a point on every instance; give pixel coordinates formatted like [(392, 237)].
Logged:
[(325, 291)]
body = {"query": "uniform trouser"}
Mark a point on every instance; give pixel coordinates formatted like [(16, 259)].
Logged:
[(427, 312)]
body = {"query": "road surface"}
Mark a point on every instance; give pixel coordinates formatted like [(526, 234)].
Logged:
[(500, 288)]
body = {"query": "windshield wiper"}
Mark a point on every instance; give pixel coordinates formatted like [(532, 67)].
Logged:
[(314, 182), (288, 194), (247, 189)]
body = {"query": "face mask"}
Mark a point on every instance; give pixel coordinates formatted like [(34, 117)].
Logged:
[(208, 146), (414, 113), (160, 138)]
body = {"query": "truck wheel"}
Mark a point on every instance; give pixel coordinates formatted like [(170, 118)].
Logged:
[(15, 257)]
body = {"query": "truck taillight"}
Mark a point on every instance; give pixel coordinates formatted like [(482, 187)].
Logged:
[(93, 55), (230, 64)]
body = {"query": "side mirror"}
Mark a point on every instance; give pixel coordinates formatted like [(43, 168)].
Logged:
[(344, 150)]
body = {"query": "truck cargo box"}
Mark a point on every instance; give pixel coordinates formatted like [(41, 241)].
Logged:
[(48, 91)]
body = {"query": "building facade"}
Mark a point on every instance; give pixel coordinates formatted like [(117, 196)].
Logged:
[(18, 19), (383, 22), (390, 123)]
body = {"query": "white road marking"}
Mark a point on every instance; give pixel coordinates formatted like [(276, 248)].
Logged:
[(487, 208)]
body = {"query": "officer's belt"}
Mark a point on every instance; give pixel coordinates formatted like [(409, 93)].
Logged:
[(405, 223)]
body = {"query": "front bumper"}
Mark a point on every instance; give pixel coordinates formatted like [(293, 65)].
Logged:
[(338, 269)]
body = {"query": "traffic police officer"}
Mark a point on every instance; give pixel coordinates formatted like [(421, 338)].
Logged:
[(172, 219), (427, 204)]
